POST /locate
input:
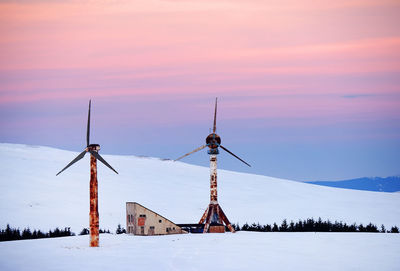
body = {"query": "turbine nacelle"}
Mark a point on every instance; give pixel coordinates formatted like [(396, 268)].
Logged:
[(213, 141), (93, 147)]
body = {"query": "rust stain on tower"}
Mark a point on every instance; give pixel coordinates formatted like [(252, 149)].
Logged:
[(214, 218), (94, 201)]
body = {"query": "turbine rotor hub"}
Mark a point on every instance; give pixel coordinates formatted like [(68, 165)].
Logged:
[(213, 141), (93, 147)]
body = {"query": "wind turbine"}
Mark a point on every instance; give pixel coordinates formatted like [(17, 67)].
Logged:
[(93, 149), (214, 213)]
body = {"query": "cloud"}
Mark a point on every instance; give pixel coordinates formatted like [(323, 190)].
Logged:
[(359, 96)]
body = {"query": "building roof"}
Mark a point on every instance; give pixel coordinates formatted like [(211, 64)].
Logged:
[(134, 202)]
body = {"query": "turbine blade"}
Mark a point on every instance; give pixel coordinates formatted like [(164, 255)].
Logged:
[(88, 125), (199, 148), (215, 117), (228, 151), (97, 155), (79, 157)]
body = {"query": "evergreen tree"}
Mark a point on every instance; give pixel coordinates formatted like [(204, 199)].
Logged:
[(309, 225), (26, 233), (299, 226), (394, 230), (56, 233), (9, 231), (40, 234), (353, 227), (15, 234), (237, 227), (319, 225), (329, 226), (284, 226), (275, 227), (337, 227), (84, 231), (291, 226), (267, 228), (234, 226), (104, 231), (371, 228), (345, 227), (120, 230)]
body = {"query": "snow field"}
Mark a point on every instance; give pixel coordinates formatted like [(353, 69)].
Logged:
[(32, 196), (239, 251)]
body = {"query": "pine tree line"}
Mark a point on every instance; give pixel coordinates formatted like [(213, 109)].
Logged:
[(311, 225), (10, 234), (16, 234)]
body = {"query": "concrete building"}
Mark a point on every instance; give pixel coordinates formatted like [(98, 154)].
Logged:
[(143, 221)]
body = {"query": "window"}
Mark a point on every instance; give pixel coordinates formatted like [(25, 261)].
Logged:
[(159, 221), (142, 215), (151, 227)]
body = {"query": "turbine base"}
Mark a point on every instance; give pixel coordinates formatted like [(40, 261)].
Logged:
[(214, 219)]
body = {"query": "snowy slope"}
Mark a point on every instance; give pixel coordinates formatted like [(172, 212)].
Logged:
[(31, 195), (240, 251)]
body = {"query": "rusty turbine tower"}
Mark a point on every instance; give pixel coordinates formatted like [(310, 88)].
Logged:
[(214, 214), (93, 149)]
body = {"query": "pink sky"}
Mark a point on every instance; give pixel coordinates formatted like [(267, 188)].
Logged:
[(217, 40), (302, 63)]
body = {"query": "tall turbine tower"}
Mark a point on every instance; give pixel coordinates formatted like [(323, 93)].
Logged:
[(93, 149), (214, 214)]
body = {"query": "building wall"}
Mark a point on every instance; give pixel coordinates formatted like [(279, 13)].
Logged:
[(143, 221)]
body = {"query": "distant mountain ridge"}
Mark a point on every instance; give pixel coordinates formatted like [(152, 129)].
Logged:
[(378, 184)]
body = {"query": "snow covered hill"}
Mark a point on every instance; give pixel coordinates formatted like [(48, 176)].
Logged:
[(31, 195)]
